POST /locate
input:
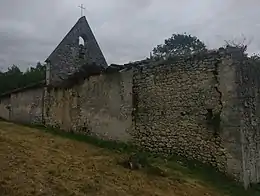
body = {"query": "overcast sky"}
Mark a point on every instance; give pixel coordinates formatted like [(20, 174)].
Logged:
[(126, 30)]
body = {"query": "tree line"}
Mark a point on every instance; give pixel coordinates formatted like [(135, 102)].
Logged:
[(14, 78)]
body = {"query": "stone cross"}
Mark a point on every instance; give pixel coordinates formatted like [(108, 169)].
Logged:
[(82, 8)]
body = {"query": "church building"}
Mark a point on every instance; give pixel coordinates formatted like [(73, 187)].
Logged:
[(79, 47)]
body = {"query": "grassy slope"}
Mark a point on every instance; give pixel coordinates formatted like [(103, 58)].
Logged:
[(34, 162)]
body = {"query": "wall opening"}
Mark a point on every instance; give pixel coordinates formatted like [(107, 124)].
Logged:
[(82, 48), (81, 41)]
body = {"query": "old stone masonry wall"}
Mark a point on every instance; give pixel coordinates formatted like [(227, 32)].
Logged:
[(204, 107), (248, 91), (101, 106), (23, 106), (178, 107)]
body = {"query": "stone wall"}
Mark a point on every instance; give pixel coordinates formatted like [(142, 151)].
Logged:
[(4, 105), (23, 106), (205, 107), (230, 116), (248, 94), (174, 107), (173, 103), (102, 106)]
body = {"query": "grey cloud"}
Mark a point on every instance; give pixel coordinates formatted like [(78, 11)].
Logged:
[(126, 30)]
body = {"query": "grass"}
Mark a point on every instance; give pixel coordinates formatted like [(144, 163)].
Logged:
[(115, 146), (191, 168), (211, 176), (177, 170)]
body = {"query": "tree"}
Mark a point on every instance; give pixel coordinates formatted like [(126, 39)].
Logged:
[(14, 78), (177, 45)]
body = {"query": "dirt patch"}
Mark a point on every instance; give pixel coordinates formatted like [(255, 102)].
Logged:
[(38, 163)]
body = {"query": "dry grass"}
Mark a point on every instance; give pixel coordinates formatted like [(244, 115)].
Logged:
[(33, 162)]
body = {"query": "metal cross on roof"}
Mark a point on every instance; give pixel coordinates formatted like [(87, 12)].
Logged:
[(82, 9)]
